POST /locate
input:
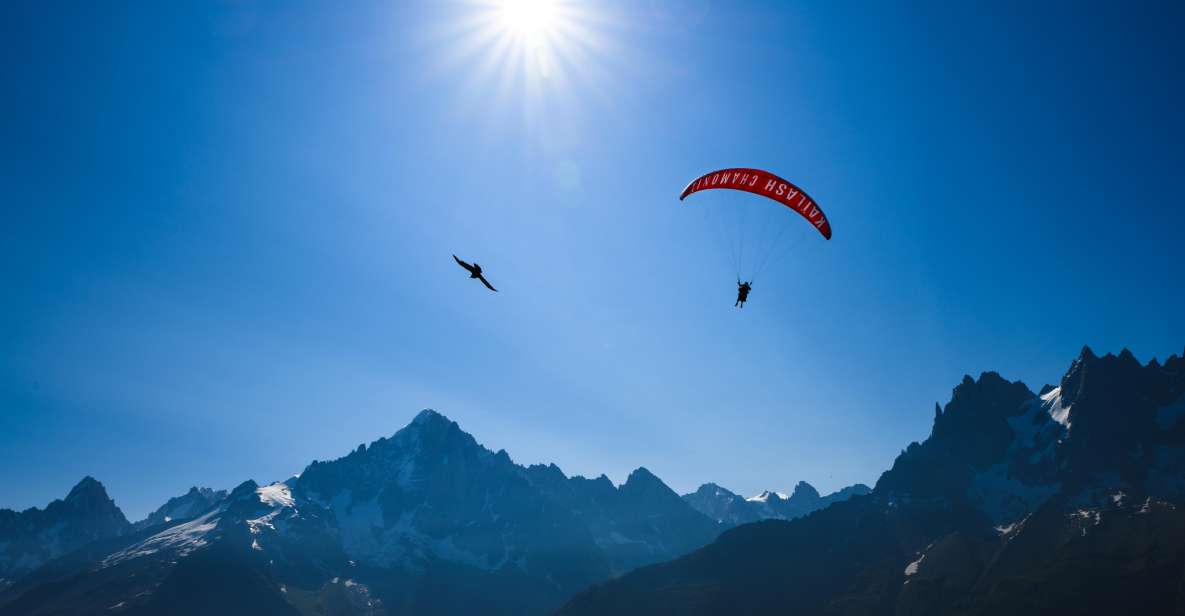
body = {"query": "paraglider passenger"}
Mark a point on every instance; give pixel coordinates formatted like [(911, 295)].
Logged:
[(743, 289)]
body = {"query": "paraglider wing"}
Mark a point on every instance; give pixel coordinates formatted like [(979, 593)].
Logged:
[(767, 185)]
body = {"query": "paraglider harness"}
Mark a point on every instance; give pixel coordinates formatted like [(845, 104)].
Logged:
[(743, 289)]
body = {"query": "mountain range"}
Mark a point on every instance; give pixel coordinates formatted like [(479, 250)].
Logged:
[(424, 522), (1065, 501), (727, 508)]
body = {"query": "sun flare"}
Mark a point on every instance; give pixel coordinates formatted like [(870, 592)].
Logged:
[(528, 19), (526, 55)]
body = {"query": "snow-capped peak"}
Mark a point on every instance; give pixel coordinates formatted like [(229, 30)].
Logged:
[(766, 495)]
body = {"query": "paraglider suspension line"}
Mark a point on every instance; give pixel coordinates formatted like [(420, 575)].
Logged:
[(742, 227), (773, 248)]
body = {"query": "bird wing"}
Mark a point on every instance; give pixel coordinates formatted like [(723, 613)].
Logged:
[(463, 264), (487, 283)]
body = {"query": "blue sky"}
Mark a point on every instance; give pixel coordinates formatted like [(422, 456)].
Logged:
[(227, 227)]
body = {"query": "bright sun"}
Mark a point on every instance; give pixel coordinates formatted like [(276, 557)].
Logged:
[(529, 19), (526, 51)]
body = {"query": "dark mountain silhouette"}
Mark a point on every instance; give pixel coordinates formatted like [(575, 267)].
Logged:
[(32, 537), (1067, 502), (426, 521)]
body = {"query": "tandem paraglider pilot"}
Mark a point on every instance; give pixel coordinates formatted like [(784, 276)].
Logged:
[(743, 289)]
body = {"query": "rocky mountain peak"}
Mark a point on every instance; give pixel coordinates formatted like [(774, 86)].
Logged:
[(642, 474), (89, 494), (430, 416), (86, 486), (971, 433), (34, 536), (244, 490), (712, 489), (643, 483), (429, 432), (197, 500), (722, 505), (1072, 381), (804, 491), (89, 500)]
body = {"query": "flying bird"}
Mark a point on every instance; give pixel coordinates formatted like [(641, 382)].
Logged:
[(475, 272)]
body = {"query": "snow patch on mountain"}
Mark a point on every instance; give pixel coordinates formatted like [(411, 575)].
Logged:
[(1034, 432), (1085, 519), (1057, 411), (1008, 529), (276, 495), (182, 539), (1151, 504), (268, 521), (912, 567)]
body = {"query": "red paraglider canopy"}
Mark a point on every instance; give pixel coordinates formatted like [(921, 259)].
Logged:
[(767, 185)]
